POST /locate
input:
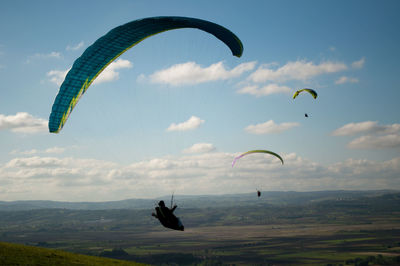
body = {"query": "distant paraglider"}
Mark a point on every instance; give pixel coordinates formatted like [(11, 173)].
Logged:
[(256, 151), (117, 41), (311, 91)]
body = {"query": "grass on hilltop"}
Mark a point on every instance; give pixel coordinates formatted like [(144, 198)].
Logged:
[(16, 254)]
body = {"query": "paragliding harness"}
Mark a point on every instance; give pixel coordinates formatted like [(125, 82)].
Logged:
[(166, 216)]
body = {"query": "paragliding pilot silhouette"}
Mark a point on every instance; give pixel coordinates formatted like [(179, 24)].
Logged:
[(167, 218)]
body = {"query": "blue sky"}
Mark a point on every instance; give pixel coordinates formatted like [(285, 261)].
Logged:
[(171, 113)]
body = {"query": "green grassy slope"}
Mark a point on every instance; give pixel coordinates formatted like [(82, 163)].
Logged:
[(15, 254)]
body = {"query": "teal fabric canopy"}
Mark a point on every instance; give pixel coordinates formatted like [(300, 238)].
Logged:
[(109, 47)]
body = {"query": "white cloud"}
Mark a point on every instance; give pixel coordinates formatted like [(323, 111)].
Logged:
[(192, 73), (75, 179), (344, 79), (193, 123), (264, 90), (376, 142), (57, 76), (366, 127), (270, 127), (375, 136), (358, 64), (200, 148), (38, 56), (34, 162), (57, 150), (23, 122), (56, 178), (75, 47), (110, 72), (364, 171), (297, 70)]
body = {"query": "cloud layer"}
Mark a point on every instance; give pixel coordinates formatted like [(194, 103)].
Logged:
[(57, 76), (78, 179), (191, 73), (366, 127), (270, 127), (374, 136), (376, 142), (200, 148), (110, 73), (257, 91), (344, 79), (192, 123), (269, 78), (295, 70), (23, 122)]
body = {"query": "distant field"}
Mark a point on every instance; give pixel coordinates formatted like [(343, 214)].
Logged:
[(277, 244), (317, 244), (353, 232)]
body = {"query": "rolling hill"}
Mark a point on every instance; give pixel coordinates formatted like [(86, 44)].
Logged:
[(16, 254)]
